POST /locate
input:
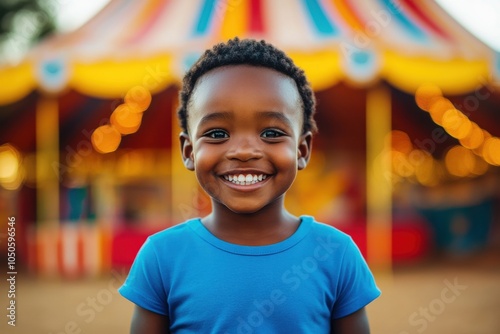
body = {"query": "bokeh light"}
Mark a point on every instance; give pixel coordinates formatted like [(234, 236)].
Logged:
[(429, 172), (125, 120), (491, 151), (460, 161), (456, 123), (400, 164), (138, 98), (400, 141), (479, 150), (106, 139), (439, 108), (11, 173), (480, 166), (474, 138), (426, 95)]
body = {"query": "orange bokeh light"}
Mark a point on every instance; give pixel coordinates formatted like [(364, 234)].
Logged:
[(125, 120), (426, 95), (106, 139), (439, 108), (474, 138), (138, 98), (460, 161), (491, 151)]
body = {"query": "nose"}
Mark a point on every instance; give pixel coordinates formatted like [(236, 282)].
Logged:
[(244, 148)]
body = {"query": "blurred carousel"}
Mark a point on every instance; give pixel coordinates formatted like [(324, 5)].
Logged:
[(407, 109)]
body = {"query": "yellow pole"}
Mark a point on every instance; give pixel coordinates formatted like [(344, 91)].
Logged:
[(47, 160), (379, 186), (47, 181)]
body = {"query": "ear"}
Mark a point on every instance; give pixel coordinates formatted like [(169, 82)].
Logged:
[(187, 151), (304, 150)]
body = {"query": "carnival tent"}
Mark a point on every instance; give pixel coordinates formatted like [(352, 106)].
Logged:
[(405, 42), (360, 43)]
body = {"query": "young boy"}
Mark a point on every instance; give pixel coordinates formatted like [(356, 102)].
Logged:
[(250, 266)]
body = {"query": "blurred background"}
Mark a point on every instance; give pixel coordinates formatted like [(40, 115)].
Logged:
[(406, 160)]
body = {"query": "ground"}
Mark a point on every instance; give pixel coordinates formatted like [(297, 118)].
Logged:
[(458, 296)]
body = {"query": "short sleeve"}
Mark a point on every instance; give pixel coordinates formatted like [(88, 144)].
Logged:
[(144, 284), (357, 286)]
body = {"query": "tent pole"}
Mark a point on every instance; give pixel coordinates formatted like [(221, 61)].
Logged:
[(47, 181), (379, 186)]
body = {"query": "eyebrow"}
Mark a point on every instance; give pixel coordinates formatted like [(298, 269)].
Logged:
[(226, 115), (220, 115), (277, 116)]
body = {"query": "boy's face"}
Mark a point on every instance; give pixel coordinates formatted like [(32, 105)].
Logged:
[(245, 142)]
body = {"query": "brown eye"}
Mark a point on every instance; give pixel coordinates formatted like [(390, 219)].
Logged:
[(217, 134), (271, 134)]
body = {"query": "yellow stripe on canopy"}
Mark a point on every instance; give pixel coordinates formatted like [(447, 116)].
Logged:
[(453, 76), (17, 82), (235, 21), (112, 79), (323, 68)]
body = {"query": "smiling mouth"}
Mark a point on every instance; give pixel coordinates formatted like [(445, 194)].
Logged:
[(245, 180)]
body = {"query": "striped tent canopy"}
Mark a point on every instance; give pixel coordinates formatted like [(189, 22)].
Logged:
[(151, 43)]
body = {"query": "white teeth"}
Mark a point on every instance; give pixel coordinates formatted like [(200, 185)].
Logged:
[(245, 179)]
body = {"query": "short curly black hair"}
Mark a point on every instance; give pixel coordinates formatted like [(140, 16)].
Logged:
[(247, 52)]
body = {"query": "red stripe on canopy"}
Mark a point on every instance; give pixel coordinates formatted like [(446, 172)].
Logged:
[(256, 24)]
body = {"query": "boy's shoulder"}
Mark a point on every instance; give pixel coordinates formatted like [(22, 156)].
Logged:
[(174, 232), (326, 229)]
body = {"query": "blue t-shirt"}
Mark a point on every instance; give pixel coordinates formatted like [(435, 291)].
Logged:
[(207, 285)]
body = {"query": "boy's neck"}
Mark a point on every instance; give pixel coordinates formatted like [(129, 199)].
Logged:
[(270, 225)]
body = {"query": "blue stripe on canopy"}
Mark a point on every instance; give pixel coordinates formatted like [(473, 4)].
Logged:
[(395, 12), (319, 19), (205, 18)]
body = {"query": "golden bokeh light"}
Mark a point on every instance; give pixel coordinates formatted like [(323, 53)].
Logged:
[(456, 123), (429, 172), (138, 98), (460, 161), (438, 109), (491, 151), (479, 150), (480, 166), (9, 162), (106, 139), (125, 120), (426, 95), (474, 138), (11, 173), (399, 141), (418, 157), (400, 164)]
